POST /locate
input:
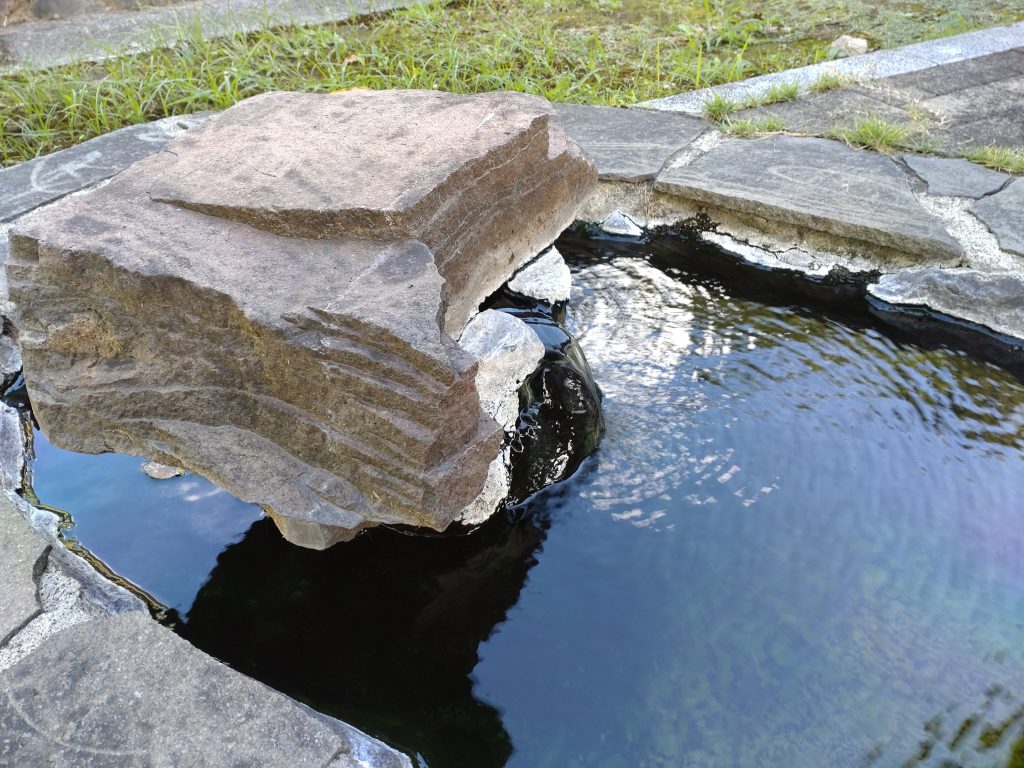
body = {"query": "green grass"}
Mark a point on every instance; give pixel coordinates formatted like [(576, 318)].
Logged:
[(747, 128), (874, 133), (998, 158), (829, 82), (775, 94), (584, 51), (718, 108)]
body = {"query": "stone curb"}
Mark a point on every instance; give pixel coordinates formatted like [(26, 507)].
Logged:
[(44, 44), (822, 209), (870, 66)]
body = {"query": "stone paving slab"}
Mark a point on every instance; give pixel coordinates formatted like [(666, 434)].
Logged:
[(125, 691), (957, 106), (816, 114), (818, 184), (34, 183), (871, 66), (1003, 214), (628, 145), (955, 177), (37, 182), (44, 44), (992, 300), (21, 551)]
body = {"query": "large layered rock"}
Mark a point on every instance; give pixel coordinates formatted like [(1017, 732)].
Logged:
[(272, 301)]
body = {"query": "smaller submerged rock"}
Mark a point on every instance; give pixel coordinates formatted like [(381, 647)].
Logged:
[(507, 351), (160, 471), (618, 223)]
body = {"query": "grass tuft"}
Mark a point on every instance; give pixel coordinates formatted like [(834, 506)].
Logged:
[(874, 133), (775, 94), (718, 108), (748, 128), (829, 82), (1006, 159)]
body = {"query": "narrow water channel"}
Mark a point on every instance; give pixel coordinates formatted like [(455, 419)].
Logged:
[(801, 543)]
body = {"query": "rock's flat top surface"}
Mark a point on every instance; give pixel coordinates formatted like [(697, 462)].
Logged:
[(361, 160), (124, 691), (628, 145), (815, 183), (390, 165), (20, 551), (992, 300), (955, 177), (1003, 214)]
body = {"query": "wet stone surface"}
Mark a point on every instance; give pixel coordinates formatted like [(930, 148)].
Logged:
[(781, 179)]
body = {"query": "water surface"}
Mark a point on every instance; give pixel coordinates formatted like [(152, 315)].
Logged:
[(800, 544)]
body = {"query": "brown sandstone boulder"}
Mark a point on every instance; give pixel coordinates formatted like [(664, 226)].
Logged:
[(272, 301)]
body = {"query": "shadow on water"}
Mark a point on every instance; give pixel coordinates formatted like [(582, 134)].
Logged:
[(382, 632)]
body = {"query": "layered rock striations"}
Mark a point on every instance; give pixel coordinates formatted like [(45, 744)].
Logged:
[(271, 302)]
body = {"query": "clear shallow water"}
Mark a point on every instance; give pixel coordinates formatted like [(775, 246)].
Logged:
[(164, 535), (800, 544)]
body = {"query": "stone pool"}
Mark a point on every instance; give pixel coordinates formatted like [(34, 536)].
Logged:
[(800, 544)]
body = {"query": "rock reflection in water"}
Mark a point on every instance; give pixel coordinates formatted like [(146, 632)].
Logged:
[(382, 631)]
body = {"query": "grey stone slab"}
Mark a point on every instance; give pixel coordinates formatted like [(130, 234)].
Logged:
[(21, 549), (962, 75), (817, 184), (955, 177), (992, 300), (1002, 129), (871, 66), (1003, 214), (12, 450), (44, 44), (973, 102), (40, 181), (817, 114), (10, 351), (628, 144), (125, 691)]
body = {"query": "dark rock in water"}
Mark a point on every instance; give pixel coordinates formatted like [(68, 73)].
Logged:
[(561, 420)]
